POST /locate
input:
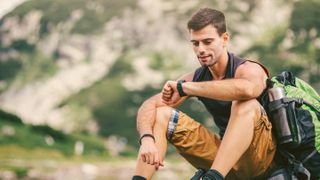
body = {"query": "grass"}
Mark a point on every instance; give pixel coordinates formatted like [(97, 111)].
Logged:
[(24, 152), (105, 168), (23, 147), (15, 136), (17, 159), (18, 152)]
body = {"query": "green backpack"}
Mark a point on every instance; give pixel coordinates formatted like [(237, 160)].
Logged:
[(293, 108)]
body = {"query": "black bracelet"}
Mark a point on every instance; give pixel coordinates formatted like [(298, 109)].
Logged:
[(146, 135), (180, 89)]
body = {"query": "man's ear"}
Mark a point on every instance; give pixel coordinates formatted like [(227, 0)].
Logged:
[(225, 37)]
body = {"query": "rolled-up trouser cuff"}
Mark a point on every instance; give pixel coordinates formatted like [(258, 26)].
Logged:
[(172, 123)]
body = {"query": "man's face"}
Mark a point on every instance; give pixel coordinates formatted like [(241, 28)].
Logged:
[(208, 45)]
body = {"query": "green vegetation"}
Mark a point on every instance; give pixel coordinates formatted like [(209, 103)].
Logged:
[(100, 12), (115, 108), (302, 55), (30, 64), (166, 62), (292, 45), (305, 16), (9, 69), (44, 139), (94, 13), (35, 66)]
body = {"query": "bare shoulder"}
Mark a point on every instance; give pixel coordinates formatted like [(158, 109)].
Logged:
[(254, 73), (250, 68)]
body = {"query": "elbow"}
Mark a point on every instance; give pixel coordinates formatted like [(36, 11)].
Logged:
[(248, 92), (146, 106)]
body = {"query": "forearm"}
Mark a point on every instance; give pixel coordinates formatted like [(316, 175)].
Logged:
[(227, 90), (147, 114), (146, 117)]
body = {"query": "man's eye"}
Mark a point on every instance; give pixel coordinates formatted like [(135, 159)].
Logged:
[(195, 43), (207, 42)]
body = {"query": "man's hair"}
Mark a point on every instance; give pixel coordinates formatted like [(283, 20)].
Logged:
[(206, 16)]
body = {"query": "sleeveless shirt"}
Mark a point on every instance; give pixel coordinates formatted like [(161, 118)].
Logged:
[(220, 110)]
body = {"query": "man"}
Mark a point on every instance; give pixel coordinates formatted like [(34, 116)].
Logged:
[(228, 87)]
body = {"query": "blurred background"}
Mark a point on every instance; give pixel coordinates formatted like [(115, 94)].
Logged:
[(73, 74)]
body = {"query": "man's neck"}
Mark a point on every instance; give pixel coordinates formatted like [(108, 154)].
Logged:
[(218, 70)]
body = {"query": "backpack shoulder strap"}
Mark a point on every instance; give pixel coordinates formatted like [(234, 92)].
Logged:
[(295, 166)]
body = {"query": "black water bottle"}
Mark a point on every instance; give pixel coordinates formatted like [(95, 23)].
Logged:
[(279, 115)]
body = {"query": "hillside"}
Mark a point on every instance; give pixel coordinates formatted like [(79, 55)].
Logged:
[(86, 66), (15, 133)]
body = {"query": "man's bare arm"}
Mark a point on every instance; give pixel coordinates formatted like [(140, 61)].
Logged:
[(248, 83), (147, 111), (146, 119)]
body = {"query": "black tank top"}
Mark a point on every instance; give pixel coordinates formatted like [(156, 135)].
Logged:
[(220, 110)]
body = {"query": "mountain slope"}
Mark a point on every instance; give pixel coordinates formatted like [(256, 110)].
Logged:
[(81, 65)]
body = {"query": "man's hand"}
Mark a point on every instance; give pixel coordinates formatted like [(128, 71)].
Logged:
[(149, 153), (170, 94), (167, 92)]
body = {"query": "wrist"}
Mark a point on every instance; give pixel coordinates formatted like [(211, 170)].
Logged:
[(146, 136), (146, 140), (180, 88)]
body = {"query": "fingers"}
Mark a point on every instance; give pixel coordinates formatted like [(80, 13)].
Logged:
[(161, 163), (143, 157), (167, 92), (152, 157), (158, 162), (167, 86), (166, 96), (148, 158)]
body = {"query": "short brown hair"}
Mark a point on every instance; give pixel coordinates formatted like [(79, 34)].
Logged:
[(206, 16)]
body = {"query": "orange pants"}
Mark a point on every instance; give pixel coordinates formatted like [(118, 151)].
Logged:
[(199, 146)]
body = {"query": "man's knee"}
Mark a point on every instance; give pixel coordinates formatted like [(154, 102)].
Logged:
[(246, 108), (163, 115)]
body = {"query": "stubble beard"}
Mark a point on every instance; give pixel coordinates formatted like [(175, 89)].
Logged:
[(211, 62)]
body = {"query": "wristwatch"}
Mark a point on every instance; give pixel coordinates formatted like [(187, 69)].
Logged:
[(180, 89)]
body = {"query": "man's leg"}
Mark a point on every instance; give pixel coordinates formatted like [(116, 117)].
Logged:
[(159, 131), (194, 142), (238, 135)]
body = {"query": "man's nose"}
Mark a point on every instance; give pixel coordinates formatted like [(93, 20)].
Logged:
[(201, 49)]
